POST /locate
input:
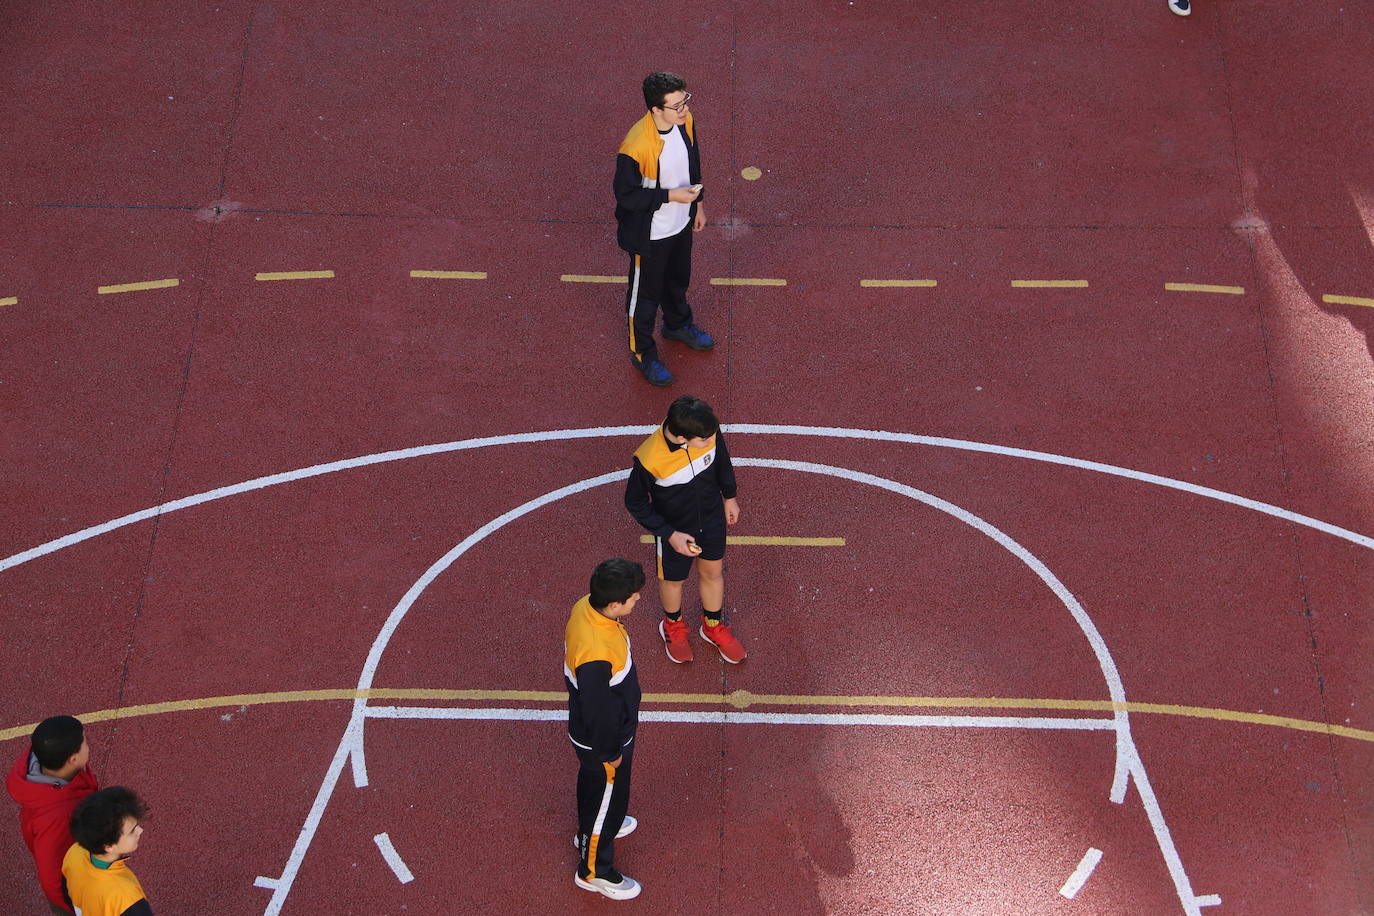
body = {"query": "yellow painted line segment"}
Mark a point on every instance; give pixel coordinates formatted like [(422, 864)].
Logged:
[(134, 287), (1348, 300), (761, 540), (591, 278), (891, 283), (747, 281), (740, 699), (1204, 288), (296, 275), (12, 300), (1049, 284), (449, 274)]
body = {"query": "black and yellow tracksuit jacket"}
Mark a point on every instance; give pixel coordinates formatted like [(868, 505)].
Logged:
[(637, 194), (674, 488), (603, 688)]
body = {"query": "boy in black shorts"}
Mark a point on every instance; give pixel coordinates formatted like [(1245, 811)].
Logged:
[(682, 489)]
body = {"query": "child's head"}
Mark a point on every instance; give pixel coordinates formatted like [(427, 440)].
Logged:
[(59, 743), (691, 419), (106, 823), (615, 587)]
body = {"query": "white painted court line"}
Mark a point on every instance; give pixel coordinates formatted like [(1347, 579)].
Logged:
[(393, 858), (352, 745), (1080, 874), (266, 883), (599, 432)]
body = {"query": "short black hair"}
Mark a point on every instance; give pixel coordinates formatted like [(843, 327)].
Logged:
[(55, 740), (614, 581), (98, 821), (691, 418), (657, 87)]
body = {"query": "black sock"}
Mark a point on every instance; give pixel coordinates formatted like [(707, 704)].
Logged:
[(675, 617), (712, 617)]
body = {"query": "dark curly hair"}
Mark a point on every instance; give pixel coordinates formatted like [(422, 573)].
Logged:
[(658, 85), (98, 822)]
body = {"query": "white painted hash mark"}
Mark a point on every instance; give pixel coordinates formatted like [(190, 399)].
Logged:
[(1081, 873), (393, 858)]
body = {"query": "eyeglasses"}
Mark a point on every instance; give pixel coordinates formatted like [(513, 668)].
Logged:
[(678, 107)]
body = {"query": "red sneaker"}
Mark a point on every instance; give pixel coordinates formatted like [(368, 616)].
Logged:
[(720, 636), (674, 633)]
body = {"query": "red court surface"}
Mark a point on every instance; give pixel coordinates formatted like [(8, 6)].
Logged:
[(1091, 632)]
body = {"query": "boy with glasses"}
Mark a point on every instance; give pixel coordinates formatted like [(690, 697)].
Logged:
[(657, 208)]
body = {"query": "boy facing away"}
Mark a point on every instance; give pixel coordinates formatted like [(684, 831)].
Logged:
[(107, 829), (603, 715), (48, 781), (682, 489)]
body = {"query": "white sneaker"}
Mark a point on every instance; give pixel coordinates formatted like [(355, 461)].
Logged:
[(1181, 7), (627, 827), (627, 889)]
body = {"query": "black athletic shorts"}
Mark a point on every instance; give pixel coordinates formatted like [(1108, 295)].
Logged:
[(674, 567)]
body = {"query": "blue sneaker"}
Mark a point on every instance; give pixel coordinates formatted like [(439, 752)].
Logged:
[(654, 372), (691, 335)]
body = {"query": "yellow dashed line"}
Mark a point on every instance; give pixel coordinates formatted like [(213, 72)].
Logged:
[(1049, 284), (739, 699), (12, 300), (883, 283), (747, 281), (1204, 288), (134, 287), (1348, 300), (591, 278), (449, 274), (297, 275), (759, 540)]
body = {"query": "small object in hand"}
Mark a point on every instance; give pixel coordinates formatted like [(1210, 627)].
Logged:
[(692, 547), (696, 189)]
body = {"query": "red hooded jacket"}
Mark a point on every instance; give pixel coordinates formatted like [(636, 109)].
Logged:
[(45, 811)]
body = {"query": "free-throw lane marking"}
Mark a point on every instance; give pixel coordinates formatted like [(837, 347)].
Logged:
[(1348, 300), (449, 275), (1080, 874), (1204, 288), (738, 699), (296, 275), (393, 858), (761, 540), (591, 278), (747, 281), (896, 283), (1049, 284), (134, 287)]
